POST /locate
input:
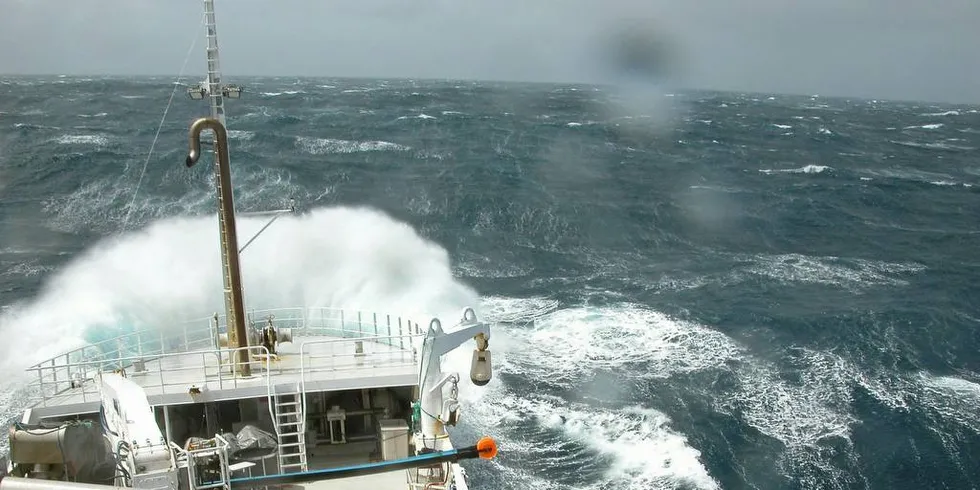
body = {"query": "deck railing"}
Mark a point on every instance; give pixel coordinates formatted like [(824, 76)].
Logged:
[(193, 347)]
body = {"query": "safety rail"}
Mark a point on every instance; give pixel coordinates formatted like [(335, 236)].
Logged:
[(196, 478), (361, 356), (71, 372), (336, 322), (436, 477), (219, 371)]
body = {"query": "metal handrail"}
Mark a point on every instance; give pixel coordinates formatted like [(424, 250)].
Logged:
[(74, 369), (302, 358), (204, 326), (217, 353)]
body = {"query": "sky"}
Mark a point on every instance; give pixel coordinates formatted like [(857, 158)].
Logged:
[(886, 49)]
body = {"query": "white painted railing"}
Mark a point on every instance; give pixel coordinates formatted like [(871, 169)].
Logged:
[(364, 356), (193, 347), (208, 365)]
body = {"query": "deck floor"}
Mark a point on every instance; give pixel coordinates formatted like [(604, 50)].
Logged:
[(332, 456)]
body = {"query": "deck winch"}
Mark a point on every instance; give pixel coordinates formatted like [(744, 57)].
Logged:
[(269, 336)]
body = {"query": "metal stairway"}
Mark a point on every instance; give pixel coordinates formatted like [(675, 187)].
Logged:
[(291, 431)]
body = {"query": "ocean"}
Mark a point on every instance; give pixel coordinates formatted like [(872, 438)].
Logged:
[(700, 290)]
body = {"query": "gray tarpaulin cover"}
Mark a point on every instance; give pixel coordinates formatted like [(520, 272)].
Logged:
[(232, 441), (251, 437)]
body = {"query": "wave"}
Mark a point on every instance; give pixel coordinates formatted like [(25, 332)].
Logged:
[(285, 92), (808, 169), (382, 265), (83, 139), (934, 146), (419, 116), (570, 347), (941, 114), (320, 146)]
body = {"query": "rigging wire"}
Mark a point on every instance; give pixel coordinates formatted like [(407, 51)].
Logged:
[(153, 145)]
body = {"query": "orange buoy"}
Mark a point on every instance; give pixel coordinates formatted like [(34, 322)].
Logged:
[(487, 448)]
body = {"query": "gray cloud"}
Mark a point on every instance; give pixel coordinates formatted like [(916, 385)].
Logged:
[(872, 48)]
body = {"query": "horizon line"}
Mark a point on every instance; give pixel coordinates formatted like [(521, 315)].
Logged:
[(664, 90)]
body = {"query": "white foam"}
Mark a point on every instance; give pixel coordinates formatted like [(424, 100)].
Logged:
[(420, 116), (942, 399), (170, 272), (471, 265), (83, 139), (26, 269), (798, 415), (97, 204), (320, 146), (647, 452), (808, 169), (569, 346), (783, 126), (34, 126), (830, 270), (940, 114), (237, 134), (564, 347), (933, 146), (609, 337), (952, 398), (926, 126)]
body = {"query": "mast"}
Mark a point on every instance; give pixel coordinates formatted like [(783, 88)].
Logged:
[(230, 265), (216, 100), (229, 241)]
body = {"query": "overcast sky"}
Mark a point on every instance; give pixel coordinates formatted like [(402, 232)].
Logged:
[(900, 49)]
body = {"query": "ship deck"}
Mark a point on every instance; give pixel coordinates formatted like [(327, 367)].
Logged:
[(329, 351), (390, 479)]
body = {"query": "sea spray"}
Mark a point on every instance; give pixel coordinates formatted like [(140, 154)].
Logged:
[(170, 272)]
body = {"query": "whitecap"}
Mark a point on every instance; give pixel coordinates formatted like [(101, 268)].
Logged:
[(940, 114), (83, 139), (320, 146), (285, 92), (237, 134), (420, 116), (808, 169)]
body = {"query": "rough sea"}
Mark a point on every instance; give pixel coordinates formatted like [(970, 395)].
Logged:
[(701, 290)]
